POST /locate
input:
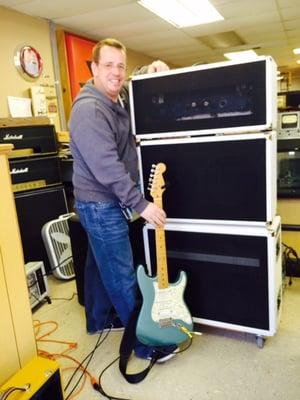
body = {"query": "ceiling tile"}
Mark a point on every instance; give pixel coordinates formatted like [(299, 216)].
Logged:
[(294, 34), (65, 8), (271, 25), (291, 13), (221, 40), (288, 3), (243, 8), (292, 24), (108, 17), (132, 29)]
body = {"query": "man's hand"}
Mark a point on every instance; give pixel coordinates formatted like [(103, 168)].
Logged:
[(154, 215), (157, 66)]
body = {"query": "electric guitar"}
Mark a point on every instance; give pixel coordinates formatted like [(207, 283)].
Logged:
[(164, 317)]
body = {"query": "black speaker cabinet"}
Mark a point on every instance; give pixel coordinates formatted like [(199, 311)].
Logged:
[(34, 209), (226, 97), (79, 245), (233, 273), (224, 178)]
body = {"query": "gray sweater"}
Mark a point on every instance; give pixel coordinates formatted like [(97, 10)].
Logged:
[(105, 166)]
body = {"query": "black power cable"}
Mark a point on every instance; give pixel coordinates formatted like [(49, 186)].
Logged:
[(100, 388), (287, 253), (88, 358)]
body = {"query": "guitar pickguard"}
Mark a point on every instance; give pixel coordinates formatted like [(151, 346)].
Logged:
[(168, 305)]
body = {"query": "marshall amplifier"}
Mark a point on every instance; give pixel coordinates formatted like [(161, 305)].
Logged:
[(226, 97), (35, 139), (224, 178), (32, 173), (234, 277)]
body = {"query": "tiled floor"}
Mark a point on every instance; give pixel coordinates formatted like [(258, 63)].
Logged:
[(220, 365)]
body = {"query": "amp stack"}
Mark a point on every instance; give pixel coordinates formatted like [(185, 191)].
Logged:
[(36, 180), (214, 127)]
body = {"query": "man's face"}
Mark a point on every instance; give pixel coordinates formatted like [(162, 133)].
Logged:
[(109, 74)]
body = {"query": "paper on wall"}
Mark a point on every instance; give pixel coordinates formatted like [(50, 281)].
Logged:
[(19, 106)]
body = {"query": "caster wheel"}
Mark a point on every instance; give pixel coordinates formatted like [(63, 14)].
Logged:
[(260, 341)]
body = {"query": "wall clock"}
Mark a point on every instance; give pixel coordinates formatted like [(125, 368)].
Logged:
[(29, 62)]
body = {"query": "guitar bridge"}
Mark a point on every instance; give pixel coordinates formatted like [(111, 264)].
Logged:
[(166, 322)]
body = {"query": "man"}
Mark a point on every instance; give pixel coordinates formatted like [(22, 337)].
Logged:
[(105, 177)]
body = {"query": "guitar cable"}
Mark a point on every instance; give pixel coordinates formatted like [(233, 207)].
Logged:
[(99, 387), (185, 330)]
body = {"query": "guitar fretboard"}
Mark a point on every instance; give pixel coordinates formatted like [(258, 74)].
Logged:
[(161, 254), (161, 258)]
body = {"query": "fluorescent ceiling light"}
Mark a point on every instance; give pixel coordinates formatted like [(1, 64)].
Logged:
[(296, 51), (241, 55), (183, 13)]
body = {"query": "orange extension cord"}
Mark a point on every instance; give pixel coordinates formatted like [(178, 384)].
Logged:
[(54, 356)]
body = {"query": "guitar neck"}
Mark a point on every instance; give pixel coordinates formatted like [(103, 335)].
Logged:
[(161, 254), (161, 258)]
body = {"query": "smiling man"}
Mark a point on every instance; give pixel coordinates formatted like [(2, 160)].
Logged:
[(105, 178), (109, 70)]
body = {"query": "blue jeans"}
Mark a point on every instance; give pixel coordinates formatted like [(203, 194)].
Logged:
[(110, 280)]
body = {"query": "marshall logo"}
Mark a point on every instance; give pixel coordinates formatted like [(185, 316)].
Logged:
[(13, 137), (16, 171)]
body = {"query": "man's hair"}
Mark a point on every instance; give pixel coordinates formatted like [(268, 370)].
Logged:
[(106, 42)]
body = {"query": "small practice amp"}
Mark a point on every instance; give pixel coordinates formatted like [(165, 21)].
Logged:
[(36, 282), (39, 379)]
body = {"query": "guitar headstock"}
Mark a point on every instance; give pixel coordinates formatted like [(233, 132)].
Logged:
[(156, 180)]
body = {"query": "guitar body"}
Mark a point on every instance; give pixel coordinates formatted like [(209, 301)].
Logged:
[(164, 318), (163, 311)]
